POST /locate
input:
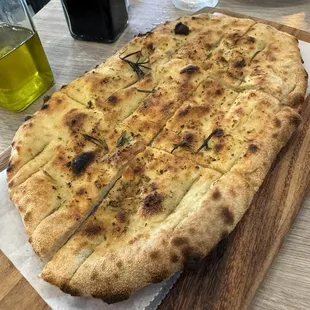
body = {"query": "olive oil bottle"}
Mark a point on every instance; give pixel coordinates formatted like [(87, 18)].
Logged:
[(25, 73)]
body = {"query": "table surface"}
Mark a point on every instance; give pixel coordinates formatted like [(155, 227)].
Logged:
[(287, 284)]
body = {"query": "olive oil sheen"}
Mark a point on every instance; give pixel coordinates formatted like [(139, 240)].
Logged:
[(25, 73)]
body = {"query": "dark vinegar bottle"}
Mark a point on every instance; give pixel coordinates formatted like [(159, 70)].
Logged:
[(96, 20)]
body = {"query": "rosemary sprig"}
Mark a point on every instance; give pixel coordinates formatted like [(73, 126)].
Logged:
[(136, 66), (122, 140), (145, 90), (97, 141), (218, 132), (182, 143)]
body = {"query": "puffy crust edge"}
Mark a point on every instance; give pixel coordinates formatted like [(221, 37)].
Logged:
[(115, 273)]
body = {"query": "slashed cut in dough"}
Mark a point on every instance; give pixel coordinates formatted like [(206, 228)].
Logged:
[(139, 167), (148, 192)]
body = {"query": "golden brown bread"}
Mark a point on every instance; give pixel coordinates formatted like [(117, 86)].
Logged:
[(150, 255), (147, 193), (139, 167)]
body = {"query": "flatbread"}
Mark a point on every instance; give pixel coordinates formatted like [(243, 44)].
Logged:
[(139, 167)]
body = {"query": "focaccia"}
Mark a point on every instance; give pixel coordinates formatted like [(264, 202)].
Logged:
[(139, 167)]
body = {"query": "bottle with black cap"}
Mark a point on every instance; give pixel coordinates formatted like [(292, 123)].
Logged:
[(96, 20)]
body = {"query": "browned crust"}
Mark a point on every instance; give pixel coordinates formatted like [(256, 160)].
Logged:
[(43, 165), (169, 248), (257, 159)]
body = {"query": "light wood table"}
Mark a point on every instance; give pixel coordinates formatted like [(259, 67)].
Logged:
[(287, 285)]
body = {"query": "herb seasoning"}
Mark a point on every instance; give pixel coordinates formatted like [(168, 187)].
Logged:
[(138, 65), (218, 132)]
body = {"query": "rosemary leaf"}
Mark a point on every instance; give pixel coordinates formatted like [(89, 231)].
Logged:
[(136, 66), (122, 140), (218, 132), (182, 143), (97, 141), (145, 91)]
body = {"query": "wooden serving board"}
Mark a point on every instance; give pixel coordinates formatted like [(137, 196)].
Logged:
[(228, 278)]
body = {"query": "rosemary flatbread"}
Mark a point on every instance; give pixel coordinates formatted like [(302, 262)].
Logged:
[(140, 166)]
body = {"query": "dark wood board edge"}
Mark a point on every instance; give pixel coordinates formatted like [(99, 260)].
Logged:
[(230, 275), (299, 34)]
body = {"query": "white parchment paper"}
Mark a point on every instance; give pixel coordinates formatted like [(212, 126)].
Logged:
[(14, 244), (305, 53)]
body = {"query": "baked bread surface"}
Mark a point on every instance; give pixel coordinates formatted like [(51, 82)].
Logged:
[(141, 166)]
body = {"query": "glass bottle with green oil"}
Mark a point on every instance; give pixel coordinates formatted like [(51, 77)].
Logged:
[(25, 73)]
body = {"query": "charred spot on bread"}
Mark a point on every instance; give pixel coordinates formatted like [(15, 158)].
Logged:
[(152, 204), (219, 91), (82, 161), (28, 216), (188, 137), (295, 120), (160, 276), (112, 99), (27, 118), (119, 264), (121, 216), (154, 255), (74, 119), (81, 191), (145, 34), (94, 275), (216, 195), (253, 148), (298, 99), (179, 241), (114, 298), (174, 258), (218, 147), (93, 230), (277, 123), (181, 29), (150, 46), (11, 184), (184, 111), (228, 215), (66, 288), (240, 63), (234, 36)]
